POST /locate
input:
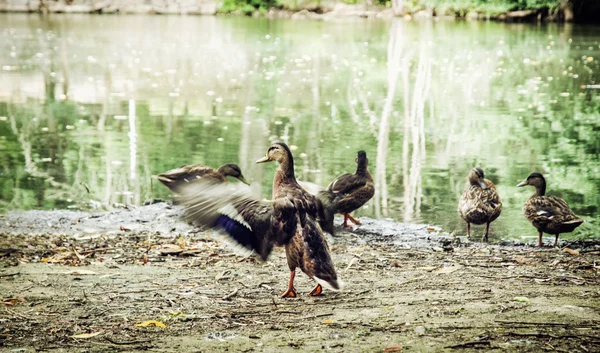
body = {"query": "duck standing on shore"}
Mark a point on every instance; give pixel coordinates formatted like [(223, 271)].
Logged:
[(479, 202), (548, 214), (293, 219), (348, 192), (174, 178)]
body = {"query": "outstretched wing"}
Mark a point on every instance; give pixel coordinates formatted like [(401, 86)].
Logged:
[(252, 224)]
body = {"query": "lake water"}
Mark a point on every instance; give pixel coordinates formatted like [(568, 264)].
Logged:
[(102, 103)]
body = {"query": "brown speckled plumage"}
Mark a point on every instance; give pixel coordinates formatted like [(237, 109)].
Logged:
[(548, 214), (174, 178), (293, 219), (479, 203), (348, 192)]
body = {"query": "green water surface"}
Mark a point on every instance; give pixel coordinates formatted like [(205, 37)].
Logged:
[(102, 103)]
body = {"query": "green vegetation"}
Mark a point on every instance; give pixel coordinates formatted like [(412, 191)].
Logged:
[(442, 7)]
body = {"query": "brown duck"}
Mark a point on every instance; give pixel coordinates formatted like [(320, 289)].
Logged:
[(548, 214), (293, 219), (348, 192), (174, 178), (479, 202)]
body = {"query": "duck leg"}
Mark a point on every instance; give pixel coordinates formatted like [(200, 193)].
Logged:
[(354, 220), (316, 291), (540, 244), (487, 230), (556, 241), (468, 230), (291, 291), (345, 224)]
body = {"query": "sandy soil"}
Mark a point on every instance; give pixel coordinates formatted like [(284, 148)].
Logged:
[(79, 282)]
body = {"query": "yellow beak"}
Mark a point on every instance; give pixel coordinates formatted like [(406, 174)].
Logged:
[(523, 183), (263, 160), (243, 180)]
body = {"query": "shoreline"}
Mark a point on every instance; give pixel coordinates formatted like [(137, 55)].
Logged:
[(162, 219)]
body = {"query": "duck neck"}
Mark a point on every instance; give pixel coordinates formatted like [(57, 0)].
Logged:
[(540, 190), (222, 169), (286, 169), (361, 169)]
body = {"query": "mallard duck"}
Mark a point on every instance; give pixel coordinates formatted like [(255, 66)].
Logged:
[(548, 214), (348, 192), (293, 219), (188, 173), (479, 203)]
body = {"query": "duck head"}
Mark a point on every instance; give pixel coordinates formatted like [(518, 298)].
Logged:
[(536, 180), (233, 170), (281, 153), (278, 152), (476, 177)]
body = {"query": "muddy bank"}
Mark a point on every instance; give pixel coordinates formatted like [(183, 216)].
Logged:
[(73, 282)]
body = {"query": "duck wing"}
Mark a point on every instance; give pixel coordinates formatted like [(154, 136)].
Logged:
[(351, 191), (346, 183), (547, 209), (251, 224)]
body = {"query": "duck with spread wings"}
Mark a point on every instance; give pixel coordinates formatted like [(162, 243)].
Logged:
[(548, 214), (294, 219), (177, 177)]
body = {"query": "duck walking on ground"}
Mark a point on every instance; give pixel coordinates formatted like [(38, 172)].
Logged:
[(174, 178), (293, 219), (479, 202), (548, 214)]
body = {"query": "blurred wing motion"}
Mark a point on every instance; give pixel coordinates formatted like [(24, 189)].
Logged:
[(251, 224)]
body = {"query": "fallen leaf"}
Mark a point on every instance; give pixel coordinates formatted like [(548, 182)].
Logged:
[(392, 349), (428, 268), (11, 301), (521, 299), (521, 260), (151, 323), (449, 269), (572, 252), (170, 249), (51, 260), (328, 322), (87, 335)]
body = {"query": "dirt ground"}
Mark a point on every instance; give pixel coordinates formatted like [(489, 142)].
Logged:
[(80, 282)]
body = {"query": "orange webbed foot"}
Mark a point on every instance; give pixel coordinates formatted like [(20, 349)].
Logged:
[(290, 293), (318, 290)]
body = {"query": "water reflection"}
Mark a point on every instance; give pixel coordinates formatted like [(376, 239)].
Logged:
[(92, 106)]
